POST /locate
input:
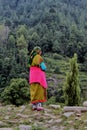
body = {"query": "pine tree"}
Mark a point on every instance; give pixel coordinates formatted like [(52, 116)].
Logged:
[(71, 87)]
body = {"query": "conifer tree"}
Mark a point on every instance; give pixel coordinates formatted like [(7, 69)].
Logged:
[(71, 87)]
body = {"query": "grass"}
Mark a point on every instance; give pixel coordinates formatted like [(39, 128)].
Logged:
[(40, 120)]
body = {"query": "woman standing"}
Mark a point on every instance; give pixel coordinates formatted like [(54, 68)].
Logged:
[(37, 79)]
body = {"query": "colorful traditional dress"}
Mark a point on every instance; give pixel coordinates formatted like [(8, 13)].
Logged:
[(37, 81)]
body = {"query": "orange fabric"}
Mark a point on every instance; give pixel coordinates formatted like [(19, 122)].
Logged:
[(37, 93), (37, 60)]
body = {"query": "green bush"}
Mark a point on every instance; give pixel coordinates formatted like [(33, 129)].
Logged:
[(57, 70), (51, 100), (16, 93), (59, 96), (57, 56), (37, 128)]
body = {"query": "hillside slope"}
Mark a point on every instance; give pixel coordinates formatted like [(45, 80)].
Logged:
[(52, 118), (33, 12)]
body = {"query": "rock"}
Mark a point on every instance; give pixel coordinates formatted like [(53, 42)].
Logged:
[(55, 128), (78, 112), (6, 117), (79, 115), (74, 109), (85, 122), (58, 121), (35, 124), (6, 129), (10, 107), (55, 106), (2, 124), (50, 121), (62, 128), (70, 122), (85, 128), (13, 121), (25, 127), (68, 114), (71, 129), (77, 118), (85, 103), (23, 116), (22, 108)]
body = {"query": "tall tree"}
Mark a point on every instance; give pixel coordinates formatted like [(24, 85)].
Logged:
[(71, 87), (22, 51)]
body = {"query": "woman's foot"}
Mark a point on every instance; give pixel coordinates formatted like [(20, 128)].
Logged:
[(39, 107), (34, 106)]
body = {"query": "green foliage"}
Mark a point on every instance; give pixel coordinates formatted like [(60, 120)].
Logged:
[(51, 100), (55, 26), (57, 56), (59, 96), (57, 70), (72, 88), (37, 128), (21, 42), (22, 30), (16, 93), (58, 27), (16, 129), (4, 32)]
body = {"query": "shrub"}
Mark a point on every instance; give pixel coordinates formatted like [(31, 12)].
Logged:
[(71, 87), (37, 128), (59, 96), (57, 56), (57, 70), (16, 93), (51, 100)]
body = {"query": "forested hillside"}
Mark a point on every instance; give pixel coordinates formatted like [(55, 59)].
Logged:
[(57, 26)]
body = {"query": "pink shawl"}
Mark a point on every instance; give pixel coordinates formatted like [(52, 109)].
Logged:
[(37, 76)]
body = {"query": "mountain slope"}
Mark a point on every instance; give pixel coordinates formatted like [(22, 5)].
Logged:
[(52, 118), (31, 12)]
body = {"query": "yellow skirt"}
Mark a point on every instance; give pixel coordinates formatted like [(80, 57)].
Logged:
[(37, 93)]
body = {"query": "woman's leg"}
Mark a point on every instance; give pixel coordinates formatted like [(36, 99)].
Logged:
[(38, 96)]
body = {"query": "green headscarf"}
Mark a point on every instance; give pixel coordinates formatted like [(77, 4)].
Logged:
[(34, 52), (36, 49)]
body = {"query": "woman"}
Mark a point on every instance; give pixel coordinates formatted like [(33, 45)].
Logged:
[(37, 79)]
